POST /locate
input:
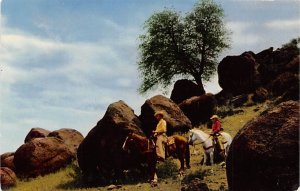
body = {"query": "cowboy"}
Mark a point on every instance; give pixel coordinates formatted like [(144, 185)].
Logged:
[(160, 134), (215, 129)]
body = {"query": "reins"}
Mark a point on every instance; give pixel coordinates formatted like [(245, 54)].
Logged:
[(206, 148)]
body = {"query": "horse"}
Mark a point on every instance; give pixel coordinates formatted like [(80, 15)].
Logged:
[(178, 148), (208, 144)]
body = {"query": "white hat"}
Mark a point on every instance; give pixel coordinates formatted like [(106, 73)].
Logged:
[(159, 113), (214, 117)]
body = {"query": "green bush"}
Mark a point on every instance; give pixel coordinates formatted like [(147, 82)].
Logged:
[(197, 174), (167, 169)]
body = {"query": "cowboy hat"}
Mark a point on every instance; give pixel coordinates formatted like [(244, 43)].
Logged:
[(214, 117), (159, 113)]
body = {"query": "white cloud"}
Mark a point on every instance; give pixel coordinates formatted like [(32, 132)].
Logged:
[(290, 24), (54, 84), (241, 33)]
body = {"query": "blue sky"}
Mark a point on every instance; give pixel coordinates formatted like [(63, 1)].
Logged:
[(64, 61)]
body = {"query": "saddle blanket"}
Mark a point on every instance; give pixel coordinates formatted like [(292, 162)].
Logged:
[(170, 140)]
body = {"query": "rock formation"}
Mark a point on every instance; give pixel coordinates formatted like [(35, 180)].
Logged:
[(199, 108), (71, 138), (185, 89), (8, 178), (175, 118), (36, 132), (41, 156), (264, 155), (101, 150)]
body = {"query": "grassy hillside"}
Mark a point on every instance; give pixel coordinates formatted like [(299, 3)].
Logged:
[(214, 176)]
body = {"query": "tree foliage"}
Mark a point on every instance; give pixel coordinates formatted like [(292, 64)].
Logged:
[(294, 45), (176, 46)]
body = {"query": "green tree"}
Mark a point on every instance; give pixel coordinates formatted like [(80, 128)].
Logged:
[(176, 46), (293, 44)]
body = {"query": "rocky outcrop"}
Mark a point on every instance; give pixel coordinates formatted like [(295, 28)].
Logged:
[(36, 132), (41, 156), (185, 89), (8, 178), (264, 155), (199, 108), (260, 94), (175, 118), (273, 63), (237, 74), (101, 150), (7, 160), (275, 71), (286, 85), (71, 138)]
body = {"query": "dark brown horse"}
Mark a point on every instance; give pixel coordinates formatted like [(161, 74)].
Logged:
[(177, 148)]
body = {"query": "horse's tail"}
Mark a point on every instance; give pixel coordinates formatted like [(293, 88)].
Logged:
[(187, 156)]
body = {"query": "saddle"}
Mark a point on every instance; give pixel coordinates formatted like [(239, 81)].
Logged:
[(170, 147), (170, 141), (218, 139)]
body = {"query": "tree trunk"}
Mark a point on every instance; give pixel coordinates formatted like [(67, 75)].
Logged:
[(198, 80)]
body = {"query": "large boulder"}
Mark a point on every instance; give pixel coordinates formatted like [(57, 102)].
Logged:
[(36, 132), (273, 63), (71, 137), (41, 156), (101, 150), (287, 85), (175, 118), (264, 155), (7, 160), (199, 108), (8, 178), (223, 97), (237, 74), (185, 89)]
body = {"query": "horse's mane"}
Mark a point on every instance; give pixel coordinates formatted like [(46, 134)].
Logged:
[(180, 138), (200, 133)]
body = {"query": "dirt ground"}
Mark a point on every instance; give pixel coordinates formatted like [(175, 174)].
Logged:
[(215, 176)]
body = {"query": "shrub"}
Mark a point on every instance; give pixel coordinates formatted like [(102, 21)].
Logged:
[(195, 175), (167, 169)]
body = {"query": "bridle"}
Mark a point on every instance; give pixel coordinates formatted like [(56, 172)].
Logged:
[(125, 142), (149, 141), (205, 148)]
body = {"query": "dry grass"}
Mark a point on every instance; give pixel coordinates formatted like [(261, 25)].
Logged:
[(214, 176), (232, 124)]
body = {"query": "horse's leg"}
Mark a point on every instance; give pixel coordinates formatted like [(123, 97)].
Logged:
[(211, 155), (187, 156), (152, 168), (155, 178), (205, 158), (181, 159), (226, 149)]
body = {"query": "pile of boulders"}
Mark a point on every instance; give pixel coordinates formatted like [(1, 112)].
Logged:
[(43, 152), (269, 73), (100, 153)]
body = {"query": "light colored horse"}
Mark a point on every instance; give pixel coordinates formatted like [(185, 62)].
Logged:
[(207, 143)]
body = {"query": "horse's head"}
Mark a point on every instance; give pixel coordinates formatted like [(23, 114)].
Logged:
[(192, 137), (128, 141)]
